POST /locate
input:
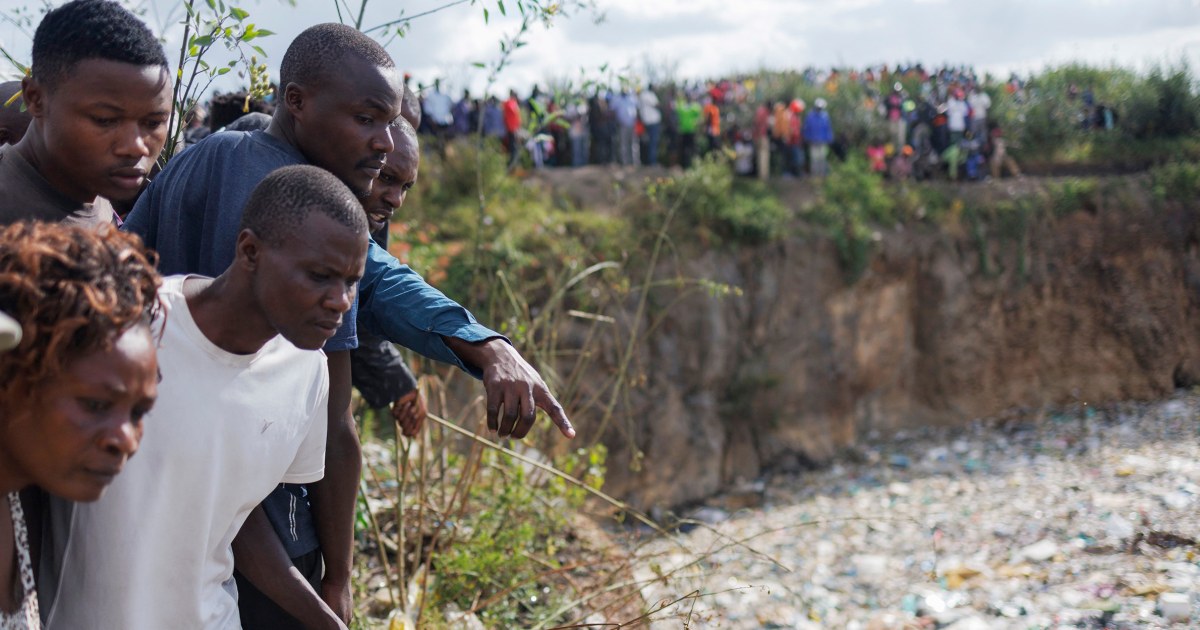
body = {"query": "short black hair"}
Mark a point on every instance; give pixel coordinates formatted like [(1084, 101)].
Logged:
[(319, 50), (410, 108), (282, 202), (91, 29), (223, 109), (404, 130)]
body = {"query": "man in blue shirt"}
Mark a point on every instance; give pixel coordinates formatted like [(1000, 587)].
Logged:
[(340, 98)]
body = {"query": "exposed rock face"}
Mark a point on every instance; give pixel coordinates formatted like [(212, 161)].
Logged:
[(1099, 305)]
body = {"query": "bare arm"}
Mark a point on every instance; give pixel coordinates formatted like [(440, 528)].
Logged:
[(260, 557), (333, 497)]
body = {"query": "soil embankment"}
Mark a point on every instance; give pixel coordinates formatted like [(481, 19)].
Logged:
[(947, 324)]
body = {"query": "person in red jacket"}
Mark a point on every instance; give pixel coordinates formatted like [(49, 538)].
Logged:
[(512, 123)]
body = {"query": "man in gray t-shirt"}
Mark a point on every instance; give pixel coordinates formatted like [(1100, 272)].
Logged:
[(99, 94)]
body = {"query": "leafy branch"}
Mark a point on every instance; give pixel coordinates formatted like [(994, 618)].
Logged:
[(220, 24)]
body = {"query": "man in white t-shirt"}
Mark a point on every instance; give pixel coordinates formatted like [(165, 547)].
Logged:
[(980, 103), (242, 407)]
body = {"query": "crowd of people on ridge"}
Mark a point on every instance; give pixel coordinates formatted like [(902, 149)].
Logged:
[(939, 125)]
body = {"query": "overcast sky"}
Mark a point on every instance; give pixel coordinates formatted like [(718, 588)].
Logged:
[(704, 38)]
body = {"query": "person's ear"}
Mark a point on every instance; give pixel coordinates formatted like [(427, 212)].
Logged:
[(248, 250), (34, 95), (294, 99)]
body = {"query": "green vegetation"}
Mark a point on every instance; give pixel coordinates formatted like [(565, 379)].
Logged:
[(719, 207), (483, 532), (1157, 117), (1176, 181), (854, 200)]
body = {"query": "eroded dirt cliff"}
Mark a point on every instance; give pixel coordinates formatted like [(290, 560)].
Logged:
[(947, 324)]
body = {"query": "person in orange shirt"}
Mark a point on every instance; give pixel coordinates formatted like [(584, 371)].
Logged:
[(712, 124)]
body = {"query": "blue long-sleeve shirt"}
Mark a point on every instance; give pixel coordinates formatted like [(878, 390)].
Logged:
[(817, 128), (192, 212)]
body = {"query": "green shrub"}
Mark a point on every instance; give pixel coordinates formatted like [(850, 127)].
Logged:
[(512, 533), (523, 230), (1073, 194), (854, 198), (1164, 105), (709, 199), (1176, 181)]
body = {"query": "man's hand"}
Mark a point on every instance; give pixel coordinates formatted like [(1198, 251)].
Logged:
[(514, 390), (259, 555), (337, 597), (409, 412)]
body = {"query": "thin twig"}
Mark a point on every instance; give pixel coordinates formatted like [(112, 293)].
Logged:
[(413, 16)]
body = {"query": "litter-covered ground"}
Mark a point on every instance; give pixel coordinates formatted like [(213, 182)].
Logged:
[(1085, 518)]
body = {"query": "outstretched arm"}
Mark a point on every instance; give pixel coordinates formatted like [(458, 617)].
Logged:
[(395, 302)]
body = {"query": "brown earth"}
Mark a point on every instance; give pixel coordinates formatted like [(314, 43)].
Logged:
[(945, 326)]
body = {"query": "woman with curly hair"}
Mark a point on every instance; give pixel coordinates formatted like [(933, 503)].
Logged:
[(74, 389)]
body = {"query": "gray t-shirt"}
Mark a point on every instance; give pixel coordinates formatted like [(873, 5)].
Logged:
[(29, 197)]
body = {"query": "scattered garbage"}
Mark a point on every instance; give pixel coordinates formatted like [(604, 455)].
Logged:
[(1081, 518)]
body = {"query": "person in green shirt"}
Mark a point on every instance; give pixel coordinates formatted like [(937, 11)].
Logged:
[(688, 113)]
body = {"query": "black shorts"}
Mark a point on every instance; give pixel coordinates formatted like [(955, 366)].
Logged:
[(257, 610)]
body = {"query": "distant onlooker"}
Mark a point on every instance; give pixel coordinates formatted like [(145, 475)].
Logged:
[(512, 124), (687, 114), (625, 108), (712, 124), (743, 154), (901, 166), (762, 143), (897, 125), (223, 109), (462, 114), (197, 125), (493, 119), (818, 132), (795, 140), (980, 103), (877, 157), (652, 120), (1001, 161), (577, 115), (436, 106), (14, 120), (957, 111)]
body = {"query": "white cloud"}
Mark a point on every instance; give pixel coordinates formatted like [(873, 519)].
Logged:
[(708, 38)]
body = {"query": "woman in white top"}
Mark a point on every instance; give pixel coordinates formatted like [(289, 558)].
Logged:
[(74, 389)]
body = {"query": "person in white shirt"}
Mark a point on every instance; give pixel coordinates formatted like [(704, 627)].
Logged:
[(980, 103), (652, 121), (241, 407), (956, 116)]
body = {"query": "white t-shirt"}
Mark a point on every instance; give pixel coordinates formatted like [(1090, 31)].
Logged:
[(980, 103), (956, 114), (154, 552), (648, 108)]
